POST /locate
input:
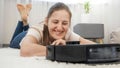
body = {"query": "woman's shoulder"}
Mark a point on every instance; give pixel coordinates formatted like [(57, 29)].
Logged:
[(38, 26), (36, 30)]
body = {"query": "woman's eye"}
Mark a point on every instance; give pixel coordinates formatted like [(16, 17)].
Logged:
[(65, 23), (55, 22)]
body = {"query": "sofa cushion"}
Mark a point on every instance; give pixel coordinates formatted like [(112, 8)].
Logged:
[(115, 36)]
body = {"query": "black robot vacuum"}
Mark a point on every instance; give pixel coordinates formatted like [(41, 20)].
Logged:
[(72, 52)]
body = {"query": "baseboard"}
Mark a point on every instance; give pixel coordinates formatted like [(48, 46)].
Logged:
[(4, 45)]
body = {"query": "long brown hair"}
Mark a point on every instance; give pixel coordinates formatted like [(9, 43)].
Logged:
[(56, 7)]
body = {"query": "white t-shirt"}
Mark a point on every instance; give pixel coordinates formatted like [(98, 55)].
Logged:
[(37, 32)]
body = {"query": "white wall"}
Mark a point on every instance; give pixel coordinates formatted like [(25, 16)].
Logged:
[(107, 12)]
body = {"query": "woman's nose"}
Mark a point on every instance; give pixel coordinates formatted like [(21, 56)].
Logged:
[(59, 27)]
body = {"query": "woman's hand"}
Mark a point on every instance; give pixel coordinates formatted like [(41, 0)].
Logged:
[(59, 42)]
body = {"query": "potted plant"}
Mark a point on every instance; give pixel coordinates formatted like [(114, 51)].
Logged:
[(87, 7), (85, 17)]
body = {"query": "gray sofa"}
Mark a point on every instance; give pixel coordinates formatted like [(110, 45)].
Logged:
[(90, 31)]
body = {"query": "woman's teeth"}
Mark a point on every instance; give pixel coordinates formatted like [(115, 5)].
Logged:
[(58, 32)]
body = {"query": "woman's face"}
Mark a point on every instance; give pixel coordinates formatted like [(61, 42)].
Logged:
[(58, 24)]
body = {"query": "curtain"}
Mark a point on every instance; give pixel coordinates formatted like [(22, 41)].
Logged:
[(8, 17), (1, 21)]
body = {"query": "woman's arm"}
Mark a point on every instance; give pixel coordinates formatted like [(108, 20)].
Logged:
[(85, 41), (30, 47)]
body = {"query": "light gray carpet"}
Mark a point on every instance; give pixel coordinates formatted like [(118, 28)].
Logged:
[(10, 58)]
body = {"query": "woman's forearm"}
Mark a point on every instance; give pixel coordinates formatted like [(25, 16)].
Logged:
[(85, 41), (33, 50), (30, 47)]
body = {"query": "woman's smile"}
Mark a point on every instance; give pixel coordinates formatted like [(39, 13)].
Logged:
[(57, 32)]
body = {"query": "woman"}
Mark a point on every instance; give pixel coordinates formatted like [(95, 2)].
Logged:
[(55, 30)]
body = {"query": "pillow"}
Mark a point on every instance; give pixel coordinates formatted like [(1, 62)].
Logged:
[(115, 36)]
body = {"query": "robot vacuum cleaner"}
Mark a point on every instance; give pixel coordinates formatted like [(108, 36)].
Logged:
[(72, 52)]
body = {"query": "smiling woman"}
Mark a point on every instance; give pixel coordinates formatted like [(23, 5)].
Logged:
[(53, 30)]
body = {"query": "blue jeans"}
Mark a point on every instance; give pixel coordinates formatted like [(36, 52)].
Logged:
[(18, 35)]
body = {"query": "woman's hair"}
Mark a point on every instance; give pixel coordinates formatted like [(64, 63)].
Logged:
[(56, 7)]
